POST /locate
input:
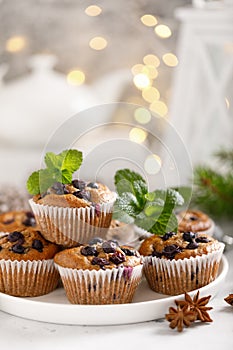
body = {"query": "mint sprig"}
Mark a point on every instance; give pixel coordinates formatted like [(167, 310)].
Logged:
[(152, 211), (59, 168)]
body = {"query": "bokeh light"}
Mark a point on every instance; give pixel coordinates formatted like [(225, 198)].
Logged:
[(149, 20), (159, 107), (170, 59), (151, 60), (93, 10), (137, 135), (15, 44), (141, 81), (98, 43), (152, 164), (142, 115), (76, 77), (150, 94), (163, 31)]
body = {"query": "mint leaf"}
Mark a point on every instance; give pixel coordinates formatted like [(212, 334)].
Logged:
[(167, 222), (59, 168), (33, 183), (71, 160), (128, 203)]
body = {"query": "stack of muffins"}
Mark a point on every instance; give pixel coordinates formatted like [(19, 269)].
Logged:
[(64, 237)]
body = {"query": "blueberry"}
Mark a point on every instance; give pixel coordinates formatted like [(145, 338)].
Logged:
[(167, 236), (202, 239), (95, 240), (93, 185), (79, 184), (88, 250), (171, 250), (15, 236), (109, 247), (100, 261), (189, 236), (156, 253), (193, 218), (117, 258), (58, 187), (192, 245), (30, 220), (82, 195), (38, 245), (128, 252), (0, 248), (18, 248)]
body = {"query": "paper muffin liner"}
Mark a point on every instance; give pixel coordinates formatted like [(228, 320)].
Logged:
[(97, 287), (69, 226), (28, 278), (175, 277)]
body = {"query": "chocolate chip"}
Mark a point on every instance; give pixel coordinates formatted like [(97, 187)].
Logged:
[(30, 220), (167, 236), (38, 245), (15, 236), (88, 250), (0, 247), (18, 248), (193, 218), (189, 236), (117, 258)]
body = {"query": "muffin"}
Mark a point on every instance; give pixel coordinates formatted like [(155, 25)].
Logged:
[(26, 264), (100, 272), (121, 232), (195, 221), (17, 220), (69, 214), (180, 262)]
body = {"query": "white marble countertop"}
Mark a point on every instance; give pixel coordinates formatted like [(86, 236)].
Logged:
[(18, 333)]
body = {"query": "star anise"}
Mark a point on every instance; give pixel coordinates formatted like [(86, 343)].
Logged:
[(197, 305), (180, 317), (229, 299)]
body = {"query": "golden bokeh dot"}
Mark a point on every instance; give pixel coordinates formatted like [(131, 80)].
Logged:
[(150, 94), (98, 43), (141, 81), (163, 31), (150, 71), (151, 60), (137, 68), (170, 59), (142, 115), (76, 77), (93, 10), (149, 20), (15, 44), (159, 107), (137, 135)]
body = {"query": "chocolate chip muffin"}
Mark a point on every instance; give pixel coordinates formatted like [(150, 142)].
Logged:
[(101, 272), (195, 221), (17, 220), (68, 214), (179, 262), (26, 264)]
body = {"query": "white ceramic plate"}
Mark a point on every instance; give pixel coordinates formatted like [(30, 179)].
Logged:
[(146, 306)]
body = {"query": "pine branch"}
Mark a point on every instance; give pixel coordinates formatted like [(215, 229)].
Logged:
[(225, 156)]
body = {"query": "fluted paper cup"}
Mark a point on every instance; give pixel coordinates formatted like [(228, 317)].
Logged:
[(70, 226), (175, 277), (96, 287), (28, 278)]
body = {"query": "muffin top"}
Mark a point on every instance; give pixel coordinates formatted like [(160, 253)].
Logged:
[(27, 244), (193, 220), (17, 220), (75, 195), (179, 245), (99, 254)]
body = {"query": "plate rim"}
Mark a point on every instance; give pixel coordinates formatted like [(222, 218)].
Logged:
[(8, 302)]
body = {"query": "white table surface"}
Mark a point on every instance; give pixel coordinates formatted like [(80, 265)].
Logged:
[(18, 333)]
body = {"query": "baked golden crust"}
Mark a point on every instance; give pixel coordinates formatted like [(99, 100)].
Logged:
[(193, 220), (99, 195), (73, 258), (155, 246), (44, 250), (17, 220)]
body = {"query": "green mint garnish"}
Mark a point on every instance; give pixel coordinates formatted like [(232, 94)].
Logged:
[(152, 211), (59, 168)]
